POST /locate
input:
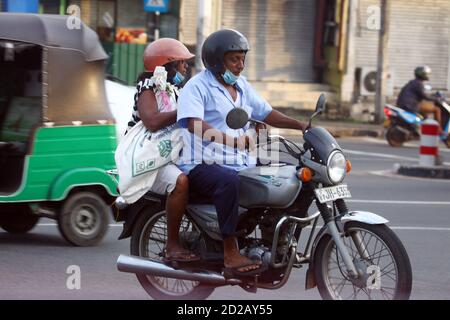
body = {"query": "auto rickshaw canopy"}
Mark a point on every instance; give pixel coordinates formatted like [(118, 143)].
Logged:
[(73, 65)]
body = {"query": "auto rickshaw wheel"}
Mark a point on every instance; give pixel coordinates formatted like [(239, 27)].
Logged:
[(17, 219), (84, 219)]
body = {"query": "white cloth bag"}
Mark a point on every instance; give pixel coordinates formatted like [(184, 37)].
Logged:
[(140, 154)]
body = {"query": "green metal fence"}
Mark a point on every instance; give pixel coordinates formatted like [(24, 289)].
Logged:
[(125, 61)]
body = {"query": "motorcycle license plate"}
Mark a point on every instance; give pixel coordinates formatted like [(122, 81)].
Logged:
[(332, 193)]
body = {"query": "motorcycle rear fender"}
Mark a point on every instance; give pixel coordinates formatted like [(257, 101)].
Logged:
[(131, 213), (359, 216)]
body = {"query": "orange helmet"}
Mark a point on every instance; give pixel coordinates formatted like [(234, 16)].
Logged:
[(164, 50)]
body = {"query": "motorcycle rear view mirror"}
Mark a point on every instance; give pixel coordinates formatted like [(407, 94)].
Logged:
[(237, 118), (320, 106)]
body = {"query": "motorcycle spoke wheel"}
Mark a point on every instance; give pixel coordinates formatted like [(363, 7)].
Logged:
[(384, 270), (153, 241), (379, 259)]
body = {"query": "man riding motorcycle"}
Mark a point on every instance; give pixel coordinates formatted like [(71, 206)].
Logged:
[(204, 103), (413, 97)]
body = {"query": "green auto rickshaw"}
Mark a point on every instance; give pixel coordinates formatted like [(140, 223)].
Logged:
[(57, 134)]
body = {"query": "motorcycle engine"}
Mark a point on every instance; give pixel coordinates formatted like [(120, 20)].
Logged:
[(259, 253), (267, 227)]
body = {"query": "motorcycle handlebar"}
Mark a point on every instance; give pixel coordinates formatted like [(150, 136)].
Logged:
[(283, 141)]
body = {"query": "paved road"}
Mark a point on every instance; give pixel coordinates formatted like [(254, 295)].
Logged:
[(35, 265)]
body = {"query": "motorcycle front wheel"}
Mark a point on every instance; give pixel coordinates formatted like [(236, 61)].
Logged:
[(381, 261), (148, 240)]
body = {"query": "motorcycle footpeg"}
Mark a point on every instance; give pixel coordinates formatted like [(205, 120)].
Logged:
[(297, 264)]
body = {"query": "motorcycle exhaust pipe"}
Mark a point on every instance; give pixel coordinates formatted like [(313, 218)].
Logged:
[(134, 264)]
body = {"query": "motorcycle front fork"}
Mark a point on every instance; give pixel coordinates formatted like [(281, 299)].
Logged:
[(337, 236)]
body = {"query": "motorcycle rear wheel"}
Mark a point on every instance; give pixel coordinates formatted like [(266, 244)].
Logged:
[(386, 269), (395, 137), (148, 240)]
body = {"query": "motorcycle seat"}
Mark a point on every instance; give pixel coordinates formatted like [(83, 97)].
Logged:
[(158, 196)]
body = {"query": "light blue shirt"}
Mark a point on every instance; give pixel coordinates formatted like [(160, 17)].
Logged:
[(206, 98)]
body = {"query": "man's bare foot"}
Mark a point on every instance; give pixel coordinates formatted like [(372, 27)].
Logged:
[(241, 263), (178, 253)]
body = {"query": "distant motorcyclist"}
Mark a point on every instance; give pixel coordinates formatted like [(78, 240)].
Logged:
[(413, 97)]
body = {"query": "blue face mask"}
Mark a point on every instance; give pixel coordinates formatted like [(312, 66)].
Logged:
[(178, 78), (229, 77)]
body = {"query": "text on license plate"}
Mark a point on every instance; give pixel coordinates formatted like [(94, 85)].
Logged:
[(332, 193)]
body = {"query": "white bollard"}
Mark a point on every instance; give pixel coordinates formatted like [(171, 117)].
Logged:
[(429, 150)]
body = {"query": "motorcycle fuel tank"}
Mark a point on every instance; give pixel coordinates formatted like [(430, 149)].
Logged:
[(271, 186)]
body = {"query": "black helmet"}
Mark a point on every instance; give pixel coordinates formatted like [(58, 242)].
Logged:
[(220, 42), (423, 72)]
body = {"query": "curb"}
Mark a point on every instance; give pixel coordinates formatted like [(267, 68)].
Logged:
[(435, 172)]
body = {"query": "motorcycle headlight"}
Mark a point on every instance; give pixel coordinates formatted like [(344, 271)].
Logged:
[(336, 166)]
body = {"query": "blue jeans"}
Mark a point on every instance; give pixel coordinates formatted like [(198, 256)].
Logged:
[(222, 184)]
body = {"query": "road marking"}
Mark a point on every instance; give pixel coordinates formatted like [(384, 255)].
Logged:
[(380, 155), (420, 228), (368, 159), (390, 174), (409, 145), (402, 202), (402, 228), (309, 227), (445, 203), (383, 155)]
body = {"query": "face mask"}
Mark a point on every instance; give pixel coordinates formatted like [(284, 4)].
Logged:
[(178, 78), (229, 77)]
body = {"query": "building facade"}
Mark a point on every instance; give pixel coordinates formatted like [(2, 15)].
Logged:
[(280, 32), (298, 47), (418, 35)]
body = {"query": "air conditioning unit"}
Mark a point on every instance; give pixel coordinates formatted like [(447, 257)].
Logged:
[(368, 82)]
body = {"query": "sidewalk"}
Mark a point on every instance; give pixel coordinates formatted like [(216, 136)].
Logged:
[(436, 172)]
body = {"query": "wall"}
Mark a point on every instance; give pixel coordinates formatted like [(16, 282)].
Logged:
[(188, 22), (419, 35), (131, 14), (281, 36)]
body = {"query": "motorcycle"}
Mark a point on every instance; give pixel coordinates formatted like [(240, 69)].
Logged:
[(402, 126), (354, 255)]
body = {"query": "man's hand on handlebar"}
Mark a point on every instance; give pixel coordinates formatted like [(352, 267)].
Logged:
[(245, 142)]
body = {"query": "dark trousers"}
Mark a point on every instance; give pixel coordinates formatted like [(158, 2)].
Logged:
[(222, 184)]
